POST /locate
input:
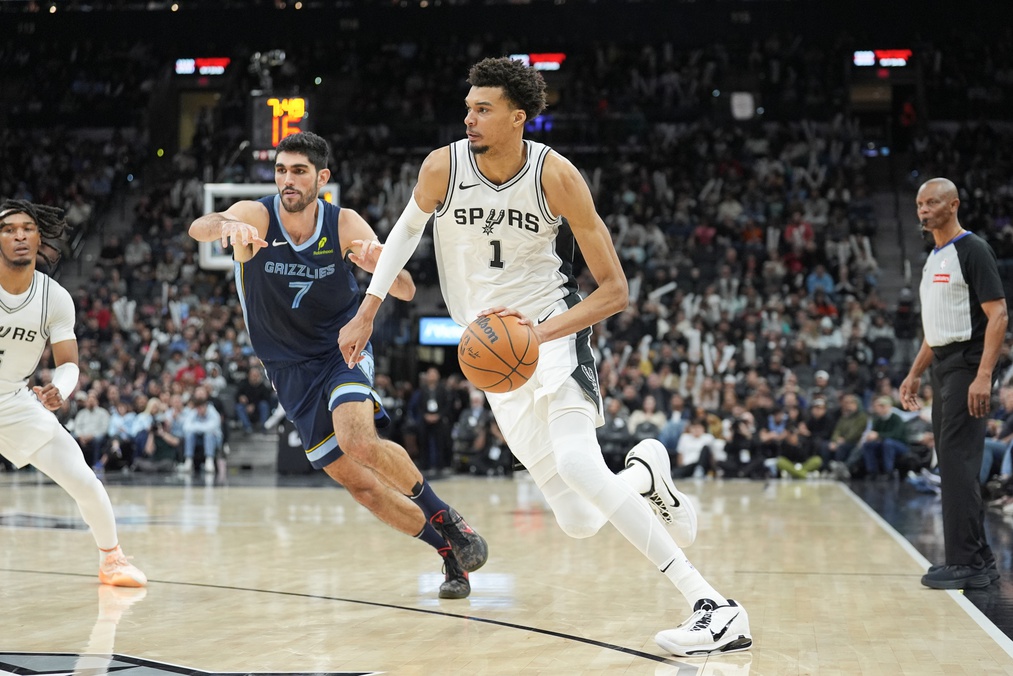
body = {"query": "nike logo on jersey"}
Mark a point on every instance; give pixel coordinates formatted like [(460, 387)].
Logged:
[(279, 242), (718, 634), (465, 187)]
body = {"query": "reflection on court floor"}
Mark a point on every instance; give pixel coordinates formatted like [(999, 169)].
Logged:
[(252, 577)]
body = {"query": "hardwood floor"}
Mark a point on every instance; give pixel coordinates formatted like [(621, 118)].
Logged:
[(254, 577)]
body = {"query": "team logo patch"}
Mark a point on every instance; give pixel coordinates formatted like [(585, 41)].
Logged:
[(941, 278), (322, 247), (67, 664), (367, 366)]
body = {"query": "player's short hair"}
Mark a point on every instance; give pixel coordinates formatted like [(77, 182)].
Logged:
[(522, 85), (50, 221), (309, 144)]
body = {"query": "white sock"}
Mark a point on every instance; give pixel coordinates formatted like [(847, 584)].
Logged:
[(637, 477), (689, 581)]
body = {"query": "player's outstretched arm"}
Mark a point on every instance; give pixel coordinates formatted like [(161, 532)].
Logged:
[(569, 197), (243, 226), (359, 243), (429, 193)]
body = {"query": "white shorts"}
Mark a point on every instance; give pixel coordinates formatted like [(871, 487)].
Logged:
[(25, 426), (523, 415)]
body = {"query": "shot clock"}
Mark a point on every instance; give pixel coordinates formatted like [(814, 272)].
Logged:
[(275, 117)]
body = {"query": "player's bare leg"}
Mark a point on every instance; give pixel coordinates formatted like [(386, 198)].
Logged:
[(401, 513), (393, 508), (355, 431)]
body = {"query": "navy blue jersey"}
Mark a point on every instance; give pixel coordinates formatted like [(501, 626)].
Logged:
[(296, 298)]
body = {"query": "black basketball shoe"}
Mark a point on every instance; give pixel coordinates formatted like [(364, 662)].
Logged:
[(456, 584), (991, 569), (469, 547), (956, 577)]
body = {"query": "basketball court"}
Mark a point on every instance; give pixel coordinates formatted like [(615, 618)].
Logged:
[(261, 577)]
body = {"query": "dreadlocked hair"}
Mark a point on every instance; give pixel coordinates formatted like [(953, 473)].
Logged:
[(50, 221)]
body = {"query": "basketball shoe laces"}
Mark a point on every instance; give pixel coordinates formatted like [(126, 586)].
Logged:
[(704, 622), (659, 505), (117, 563)]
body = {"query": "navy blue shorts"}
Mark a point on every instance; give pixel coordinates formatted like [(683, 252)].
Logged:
[(310, 390)]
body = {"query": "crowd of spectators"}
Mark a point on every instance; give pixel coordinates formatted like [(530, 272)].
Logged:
[(756, 343)]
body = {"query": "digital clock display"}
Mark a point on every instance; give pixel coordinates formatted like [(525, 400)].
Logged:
[(275, 117)]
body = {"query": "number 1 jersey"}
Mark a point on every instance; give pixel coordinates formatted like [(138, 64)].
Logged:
[(500, 244)]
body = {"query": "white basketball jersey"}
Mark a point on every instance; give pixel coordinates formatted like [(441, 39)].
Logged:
[(496, 244), (45, 312)]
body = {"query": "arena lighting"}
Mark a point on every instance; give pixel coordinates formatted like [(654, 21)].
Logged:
[(884, 58), (543, 61), (202, 66)]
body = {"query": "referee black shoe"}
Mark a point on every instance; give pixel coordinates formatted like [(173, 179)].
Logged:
[(956, 577), (991, 569), (469, 547)]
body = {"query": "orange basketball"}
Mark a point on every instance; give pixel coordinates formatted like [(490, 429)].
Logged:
[(498, 354)]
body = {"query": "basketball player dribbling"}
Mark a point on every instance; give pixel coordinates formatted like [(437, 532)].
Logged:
[(37, 310), (501, 203), (297, 290)]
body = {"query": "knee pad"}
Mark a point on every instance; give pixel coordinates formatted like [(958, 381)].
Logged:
[(583, 527), (577, 517)]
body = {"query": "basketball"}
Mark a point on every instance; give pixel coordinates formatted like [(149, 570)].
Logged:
[(498, 354)]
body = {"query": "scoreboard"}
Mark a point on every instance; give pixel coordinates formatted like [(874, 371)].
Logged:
[(274, 117)]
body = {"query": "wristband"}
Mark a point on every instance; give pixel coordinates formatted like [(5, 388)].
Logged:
[(65, 378)]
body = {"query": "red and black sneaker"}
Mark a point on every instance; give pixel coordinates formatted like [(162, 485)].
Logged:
[(456, 584), (469, 547)]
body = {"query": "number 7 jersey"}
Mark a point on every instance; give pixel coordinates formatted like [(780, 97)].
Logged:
[(296, 297), (500, 244)]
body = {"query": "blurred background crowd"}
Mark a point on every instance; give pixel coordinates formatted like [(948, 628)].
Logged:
[(773, 257)]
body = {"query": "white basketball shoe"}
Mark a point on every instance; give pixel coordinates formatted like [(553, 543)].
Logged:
[(670, 504), (712, 629)]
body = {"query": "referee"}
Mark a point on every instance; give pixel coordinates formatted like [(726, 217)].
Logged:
[(964, 323)]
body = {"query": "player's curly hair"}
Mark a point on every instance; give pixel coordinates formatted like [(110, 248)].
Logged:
[(522, 85), (50, 220), (309, 144)]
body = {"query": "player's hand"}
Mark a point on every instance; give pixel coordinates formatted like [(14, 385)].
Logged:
[(237, 233), (979, 396), (368, 253), (353, 337), (49, 395), (506, 312), (909, 393), (521, 319)]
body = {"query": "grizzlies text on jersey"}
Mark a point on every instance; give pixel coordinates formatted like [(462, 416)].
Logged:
[(311, 280)]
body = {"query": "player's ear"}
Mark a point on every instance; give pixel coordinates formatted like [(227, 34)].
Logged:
[(323, 177), (520, 117)]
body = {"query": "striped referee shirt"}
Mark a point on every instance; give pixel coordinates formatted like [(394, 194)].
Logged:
[(957, 278)]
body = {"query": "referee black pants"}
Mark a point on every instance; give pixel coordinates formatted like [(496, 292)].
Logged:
[(960, 442)]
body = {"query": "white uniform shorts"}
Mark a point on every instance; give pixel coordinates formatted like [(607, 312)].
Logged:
[(25, 426), (523, 415)]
